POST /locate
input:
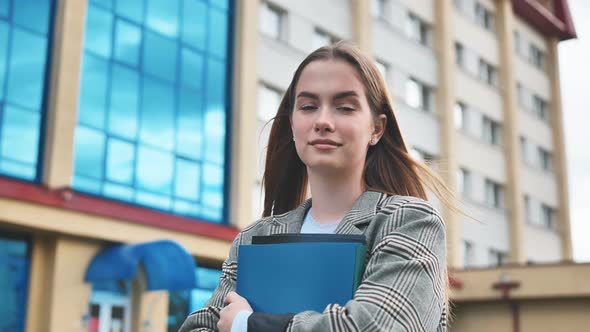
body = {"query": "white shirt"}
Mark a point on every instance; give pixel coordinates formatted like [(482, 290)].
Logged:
[(310, 226)]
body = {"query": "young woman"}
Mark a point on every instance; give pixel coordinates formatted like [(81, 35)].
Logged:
[(335, 131)]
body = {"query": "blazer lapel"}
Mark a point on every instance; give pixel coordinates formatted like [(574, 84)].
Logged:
[(361, 213), (354, 222)]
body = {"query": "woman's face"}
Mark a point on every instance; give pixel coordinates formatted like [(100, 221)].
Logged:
[(332, 123)]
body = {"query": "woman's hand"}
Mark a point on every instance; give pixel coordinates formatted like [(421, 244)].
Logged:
[(235, 304)]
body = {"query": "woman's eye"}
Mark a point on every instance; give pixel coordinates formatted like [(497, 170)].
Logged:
[(308, 107), (345, 108)]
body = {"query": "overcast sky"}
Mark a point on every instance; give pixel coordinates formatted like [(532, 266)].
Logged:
[(575, 88)]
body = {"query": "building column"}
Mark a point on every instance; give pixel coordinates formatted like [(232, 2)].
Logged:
[(445, 96), (243, 133), (559, 153), (40, 280), (68, 39), (362, 25), (514, 197), (67, 295)]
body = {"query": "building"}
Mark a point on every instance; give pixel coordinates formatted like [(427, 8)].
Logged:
[(124, 123)]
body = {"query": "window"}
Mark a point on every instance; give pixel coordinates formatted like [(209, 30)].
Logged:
[(487, 73), (269, 100), (14, 269), (536, 57), (182, 303), (520, 94), (321, 38), (464, 179), (527, 208), (497, 258), (417, 95), (540, 107), (153, 106), (417, 30), (271, 21), (548, 214), (420, 155), (544, 159), (517, 43), (383, 68), (24, 41), (459, 54), (460, 115), (525, 149), (378, 8), (494, 194), (484, 17), (491, 131), (468, 254)]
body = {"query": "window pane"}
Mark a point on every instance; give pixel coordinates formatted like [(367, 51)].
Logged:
[(31, 14), (194, 28), (26, 69), (159, 56), (459, 116), (157, 118), (414, 94), (131, 9), (217, 27), (270, 21), (163, 16), (154, 170), (97, 39), (268, 102), (123, 113), (14, 269), (118, 191), (93, 91), (191, 72), (120, 159), (189, 139), (187, 179), (4, 33), (127, 42), (20, 135), (89, 152)]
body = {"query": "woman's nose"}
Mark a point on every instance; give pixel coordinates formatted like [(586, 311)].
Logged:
[(324, 121)]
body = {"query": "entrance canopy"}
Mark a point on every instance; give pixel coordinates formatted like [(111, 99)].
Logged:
[(168, 266)]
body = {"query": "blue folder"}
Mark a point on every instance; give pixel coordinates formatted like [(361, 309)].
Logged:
[(292, 273)]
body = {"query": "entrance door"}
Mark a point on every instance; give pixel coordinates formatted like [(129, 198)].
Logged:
[(109, 312)]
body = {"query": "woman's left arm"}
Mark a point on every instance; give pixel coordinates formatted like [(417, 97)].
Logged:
[(403, 286)]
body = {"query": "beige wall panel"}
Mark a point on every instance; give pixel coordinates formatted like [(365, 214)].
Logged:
[(476, 38), (90, 226), (71, 294), (481, 317), (532, 78), (537, 131), (472, 91), (555, 315)]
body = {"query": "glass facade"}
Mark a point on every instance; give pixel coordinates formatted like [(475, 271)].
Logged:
[(14, 281), (24, 49), (181, 304), (153, 104)]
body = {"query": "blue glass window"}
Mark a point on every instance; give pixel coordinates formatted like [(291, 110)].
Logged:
[(153, 105), (14, 282), (24, 40), (181, 304)]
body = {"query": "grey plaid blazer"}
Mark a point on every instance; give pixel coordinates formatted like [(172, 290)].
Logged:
[(403, 286)]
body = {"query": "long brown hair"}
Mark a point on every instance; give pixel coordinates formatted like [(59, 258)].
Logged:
[(389, 168)]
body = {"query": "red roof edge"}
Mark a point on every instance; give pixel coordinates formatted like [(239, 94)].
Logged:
[(562, 11), (68, 199), (559, 25)]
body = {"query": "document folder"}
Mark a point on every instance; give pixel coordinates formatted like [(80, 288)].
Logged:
[(292, 273)]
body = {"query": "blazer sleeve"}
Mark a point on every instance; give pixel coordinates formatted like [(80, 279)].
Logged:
[(206, 319), (403, 287)]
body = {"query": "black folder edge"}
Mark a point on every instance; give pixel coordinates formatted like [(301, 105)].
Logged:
[(297, 238)]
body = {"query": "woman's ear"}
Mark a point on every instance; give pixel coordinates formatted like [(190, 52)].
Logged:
[(380, 124)]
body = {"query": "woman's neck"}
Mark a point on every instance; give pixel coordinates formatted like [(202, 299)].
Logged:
[(333, 196)]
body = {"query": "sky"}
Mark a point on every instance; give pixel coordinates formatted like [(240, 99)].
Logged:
[(574, 62)]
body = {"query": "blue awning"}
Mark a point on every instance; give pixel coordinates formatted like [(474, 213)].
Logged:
[(167, 265)]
